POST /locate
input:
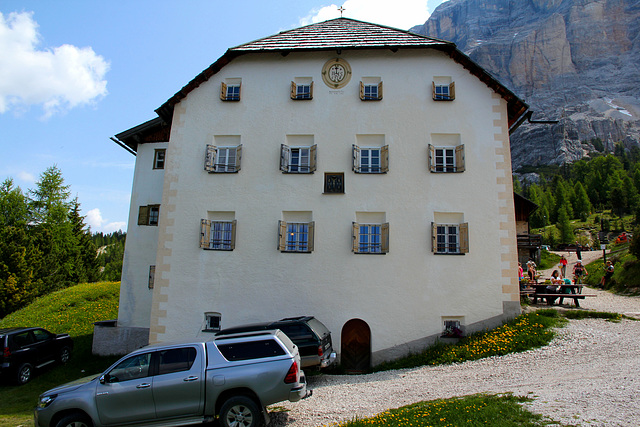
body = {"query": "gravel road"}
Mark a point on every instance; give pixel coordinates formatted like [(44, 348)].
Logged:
[(589, 375)]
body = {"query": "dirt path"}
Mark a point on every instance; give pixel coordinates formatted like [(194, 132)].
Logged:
[(587, 257)]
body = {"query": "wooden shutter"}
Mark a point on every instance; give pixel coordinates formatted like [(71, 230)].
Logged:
[(380, 90), (205, 233), (143, 215), (356, 158), (210, 158), (452, 91), (311, 91), (355, 234), (384, 159), (362, 91), (233, 234), (223, 91), (433, 90), (238, 157), (432, 158), (313, 150), (285, 158), (464, 238), (384, 230), (294, 90), (460, 158), (312, 226), (434, 235), (282, 235), (152, 276)]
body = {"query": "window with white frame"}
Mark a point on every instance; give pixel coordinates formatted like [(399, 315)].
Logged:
[(452, 327), (302, 89), (230, 90), (370, 159), (218, 235), (222, 159), (371, 89), (158, 158), (446, 159), (450, 238), (443, 89), (298, 159), (212, 322), (370, 238), (148, 215), (295, 236)]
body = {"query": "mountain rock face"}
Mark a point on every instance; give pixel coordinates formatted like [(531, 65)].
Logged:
[(575, 61)]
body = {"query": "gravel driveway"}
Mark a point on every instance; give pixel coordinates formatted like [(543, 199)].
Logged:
[(589, 375)]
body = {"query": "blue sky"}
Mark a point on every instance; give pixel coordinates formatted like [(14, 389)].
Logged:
[(75, 72)]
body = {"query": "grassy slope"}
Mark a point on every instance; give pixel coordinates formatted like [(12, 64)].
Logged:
[(72, 310)]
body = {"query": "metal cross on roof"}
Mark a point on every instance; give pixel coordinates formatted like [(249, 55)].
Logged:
[(341, 9)]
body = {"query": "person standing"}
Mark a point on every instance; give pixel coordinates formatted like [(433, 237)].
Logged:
[(579, 251), (563, 266), (578, 272)]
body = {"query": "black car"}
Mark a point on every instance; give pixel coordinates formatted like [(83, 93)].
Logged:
[(308, 333), (26, 349)]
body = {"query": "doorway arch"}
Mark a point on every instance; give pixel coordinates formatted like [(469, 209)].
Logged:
[(355, 346)]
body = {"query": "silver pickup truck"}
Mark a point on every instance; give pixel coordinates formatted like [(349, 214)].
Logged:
[(232, 378)]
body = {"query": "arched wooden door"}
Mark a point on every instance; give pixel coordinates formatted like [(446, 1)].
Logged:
[(355, 346)]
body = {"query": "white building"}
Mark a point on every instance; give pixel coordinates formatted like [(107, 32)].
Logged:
[(345, 170)]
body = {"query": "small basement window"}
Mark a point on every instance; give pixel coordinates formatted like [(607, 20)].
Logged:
[(212, 322)]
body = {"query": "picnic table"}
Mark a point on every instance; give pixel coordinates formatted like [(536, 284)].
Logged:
[(539, 290)]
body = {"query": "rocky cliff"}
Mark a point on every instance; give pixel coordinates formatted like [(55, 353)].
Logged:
[(576, 61)]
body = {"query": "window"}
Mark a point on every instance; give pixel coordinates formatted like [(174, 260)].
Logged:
[(443, 92), (450, 238), (251, 350), (130, 369), (148, 215), (446, 159), (370, 159), (302, 90), (152, 275), (158, 158), (370, 238), (452, 328), (176, 360), (298, 159), (333, 183), (230, 91), (223, 159), (212, 322), (295, 236), (371, 91), (218, 235)]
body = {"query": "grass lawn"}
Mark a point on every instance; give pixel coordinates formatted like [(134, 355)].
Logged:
[(72, 310)]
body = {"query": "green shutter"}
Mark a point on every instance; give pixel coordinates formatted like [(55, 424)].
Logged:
[(233, 234), (312, 226)]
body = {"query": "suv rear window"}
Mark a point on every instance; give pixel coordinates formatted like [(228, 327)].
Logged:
[(251, 350)]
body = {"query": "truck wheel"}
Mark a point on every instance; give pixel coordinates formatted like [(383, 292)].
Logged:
[(75, 420), (240, 411), (24, 374), (65, 355)]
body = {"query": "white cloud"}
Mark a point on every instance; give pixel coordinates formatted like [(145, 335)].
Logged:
[(402, 14), (94, 220), (26, 177), (57, 79)]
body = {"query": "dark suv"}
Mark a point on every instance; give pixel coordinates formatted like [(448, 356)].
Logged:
[(308, 333), (26, 349)]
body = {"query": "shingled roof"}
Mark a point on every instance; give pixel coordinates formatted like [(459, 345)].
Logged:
[(346, 34), (341, 33)]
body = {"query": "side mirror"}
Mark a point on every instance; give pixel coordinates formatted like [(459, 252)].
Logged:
[(107, 379)]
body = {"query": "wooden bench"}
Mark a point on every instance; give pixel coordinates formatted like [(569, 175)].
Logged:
[(575, 297)]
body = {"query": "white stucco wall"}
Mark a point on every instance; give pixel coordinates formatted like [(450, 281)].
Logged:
[(142, 241), (402, 295)]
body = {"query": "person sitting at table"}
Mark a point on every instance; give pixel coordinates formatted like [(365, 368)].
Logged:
[(556, 280), (531, 269)]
